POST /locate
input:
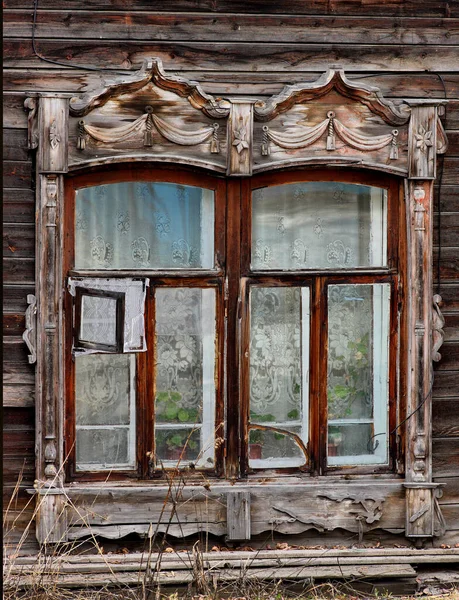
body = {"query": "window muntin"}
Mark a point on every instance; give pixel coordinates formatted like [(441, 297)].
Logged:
[(144, 225), (358, 373), (318, 225)]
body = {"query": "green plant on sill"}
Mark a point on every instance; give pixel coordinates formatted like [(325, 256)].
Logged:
[(341, 396), (168, 408), (179, 439)]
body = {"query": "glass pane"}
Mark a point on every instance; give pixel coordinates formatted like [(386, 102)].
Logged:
[(173, 445), (185, 371), (273, 449), (105, 411), (318, 225), (358, 372), (98, 320), (279, 370), (144, 225)]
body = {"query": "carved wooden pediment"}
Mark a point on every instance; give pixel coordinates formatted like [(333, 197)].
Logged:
[(151, 115), (148, 115), (365, 94)]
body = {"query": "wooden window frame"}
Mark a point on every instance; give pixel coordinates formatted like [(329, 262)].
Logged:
[(394, 273), (232, 279), (145, 361), (119, 297)]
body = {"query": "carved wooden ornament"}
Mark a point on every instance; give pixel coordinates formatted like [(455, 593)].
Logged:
[(156, 117)]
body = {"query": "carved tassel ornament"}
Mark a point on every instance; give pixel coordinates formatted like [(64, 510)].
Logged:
[(146, 123), (334, 128)]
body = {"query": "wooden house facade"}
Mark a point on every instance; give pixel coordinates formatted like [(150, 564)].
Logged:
[(231, 260)]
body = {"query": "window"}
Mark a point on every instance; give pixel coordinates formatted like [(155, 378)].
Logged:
[(270, 323)]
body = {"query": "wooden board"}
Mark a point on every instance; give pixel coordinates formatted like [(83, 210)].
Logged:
[(288, 29), (223, 56), (352, 7)]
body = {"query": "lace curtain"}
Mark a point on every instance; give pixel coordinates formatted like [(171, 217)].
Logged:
[(144, 225), (318, 225)]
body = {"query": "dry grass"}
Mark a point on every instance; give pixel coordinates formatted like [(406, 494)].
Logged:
[(43, 575)]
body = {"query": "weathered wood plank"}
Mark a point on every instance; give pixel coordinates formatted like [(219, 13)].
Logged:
[(17, 174), (13, 323), (449, 358), (399, 8), (451, 329), (18, 443), (238, 515), (451, 119), (223, 56), (15, 350), (449, 229), (19, 241), (17, 373), (453, 142), (450, 295), (15, 144), (71, 580), (14, 115), (109, 25), (445, 453), (450, 170), (449, 198), (417, 85), (18, 396), (445, 417), (449, 264), (15, 297), (19, 270), (450, 490), (18, 206)]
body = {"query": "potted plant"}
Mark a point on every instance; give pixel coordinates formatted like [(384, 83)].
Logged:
[(178, 444)]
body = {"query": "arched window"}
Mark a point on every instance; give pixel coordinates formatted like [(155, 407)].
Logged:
[(315, 279)]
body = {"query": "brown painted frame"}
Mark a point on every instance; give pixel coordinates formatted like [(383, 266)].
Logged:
[(145, 360), (394, 273)]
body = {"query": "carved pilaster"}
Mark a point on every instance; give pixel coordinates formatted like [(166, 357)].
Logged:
[(240, 138), (48, 327), (422, 142), (419, 494), (53, 129), (51, 164), (420, 307)]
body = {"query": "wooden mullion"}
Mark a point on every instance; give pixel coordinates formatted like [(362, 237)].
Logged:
[(314, 381), (232, 291)]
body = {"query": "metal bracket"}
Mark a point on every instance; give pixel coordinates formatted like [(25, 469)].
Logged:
[(30, 334)]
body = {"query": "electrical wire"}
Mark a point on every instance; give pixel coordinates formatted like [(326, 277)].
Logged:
[(62, 64)]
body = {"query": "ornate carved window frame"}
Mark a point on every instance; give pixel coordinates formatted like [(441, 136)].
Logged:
[(150, 116)]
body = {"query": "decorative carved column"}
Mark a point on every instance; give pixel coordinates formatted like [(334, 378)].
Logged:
[(240, 137), (421, 493), (51, 165)]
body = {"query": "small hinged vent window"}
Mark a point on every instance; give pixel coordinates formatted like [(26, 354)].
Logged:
[(109, 315)]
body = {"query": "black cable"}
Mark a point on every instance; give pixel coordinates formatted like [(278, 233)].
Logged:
[(419, 406), (61, 64)]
